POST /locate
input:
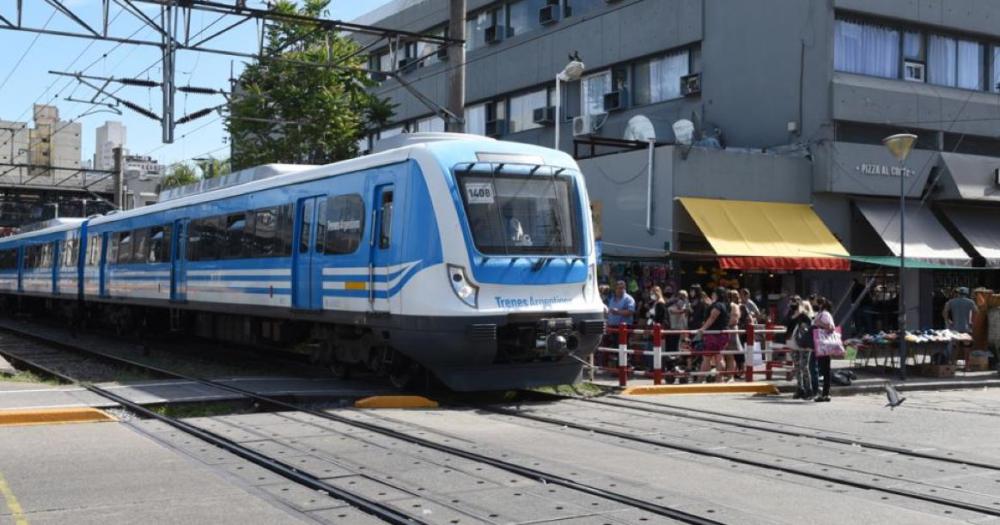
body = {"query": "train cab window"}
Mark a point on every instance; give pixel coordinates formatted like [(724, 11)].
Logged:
[(124, 255), (385, 235), (235, 237), (140, 245), (345, 224)]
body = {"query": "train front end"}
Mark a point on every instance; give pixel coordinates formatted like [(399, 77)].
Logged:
[(521, 308)]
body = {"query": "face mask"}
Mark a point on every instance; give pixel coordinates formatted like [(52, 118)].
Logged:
[(652, 297)]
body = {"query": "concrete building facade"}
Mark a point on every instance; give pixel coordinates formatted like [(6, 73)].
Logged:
[(143, 175), (108, 137), (790, 100)]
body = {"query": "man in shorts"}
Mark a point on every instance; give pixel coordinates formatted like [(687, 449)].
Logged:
[(714, 343)]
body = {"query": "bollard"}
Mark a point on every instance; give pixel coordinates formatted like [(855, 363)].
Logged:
[(748, 360), (657, 354), (622, 355)]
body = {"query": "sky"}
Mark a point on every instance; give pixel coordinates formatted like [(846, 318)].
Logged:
[(27, 58)]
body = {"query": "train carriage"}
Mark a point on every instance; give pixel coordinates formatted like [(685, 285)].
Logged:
[(469, 257)]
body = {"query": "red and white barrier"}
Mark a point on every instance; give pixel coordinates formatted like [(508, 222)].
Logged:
[(759, 338)]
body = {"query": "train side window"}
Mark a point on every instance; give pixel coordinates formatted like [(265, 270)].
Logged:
[(321, 224), (140, 245), (124, 255), (385, 235), (236, 225), (95, 250), (112, 255), (47, 254), (345, 224), (162, 253), (262, 233), (8, 259)]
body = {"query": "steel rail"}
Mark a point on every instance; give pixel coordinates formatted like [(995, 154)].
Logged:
[(676, 411), (514, 468), (751, 462), (368, 506)]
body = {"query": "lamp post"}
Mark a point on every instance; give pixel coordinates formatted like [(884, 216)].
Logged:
[(899, 146), (570, 73)]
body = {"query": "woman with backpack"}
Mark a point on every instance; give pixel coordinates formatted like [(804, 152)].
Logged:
[(798, 323)]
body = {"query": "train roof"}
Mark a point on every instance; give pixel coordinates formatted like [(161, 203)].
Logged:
[(62, 224), (441, 145)]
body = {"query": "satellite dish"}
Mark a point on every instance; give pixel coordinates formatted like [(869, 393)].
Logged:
[(640, 129), (684, 132)]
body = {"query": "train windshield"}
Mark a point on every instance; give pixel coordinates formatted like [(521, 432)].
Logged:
[(521, 210)]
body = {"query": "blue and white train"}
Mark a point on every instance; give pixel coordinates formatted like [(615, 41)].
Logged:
[(471, 258)]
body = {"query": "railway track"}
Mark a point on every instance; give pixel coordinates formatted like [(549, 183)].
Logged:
[(816, 473), (373, 507), (785, 429)]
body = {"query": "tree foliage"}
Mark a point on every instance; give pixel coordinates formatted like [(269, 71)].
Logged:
[(179, 175), (211, 167), (297, 110)]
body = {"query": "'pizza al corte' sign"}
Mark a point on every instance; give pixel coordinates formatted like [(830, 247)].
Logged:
[(881, 170)]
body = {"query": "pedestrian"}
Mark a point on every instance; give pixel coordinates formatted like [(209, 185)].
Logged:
[(678, 313), (747, 301), (658, 307), (717, 321), (823, 323), (621, 306), (958, 313), (735, 321), (798, 321)]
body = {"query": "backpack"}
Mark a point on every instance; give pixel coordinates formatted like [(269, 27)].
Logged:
[(803, 334)]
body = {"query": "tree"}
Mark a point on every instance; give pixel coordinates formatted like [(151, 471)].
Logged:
[(298, 110), (180, 175), (212, 167)]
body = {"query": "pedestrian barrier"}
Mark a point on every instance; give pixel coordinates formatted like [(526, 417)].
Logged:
[(761, 355)]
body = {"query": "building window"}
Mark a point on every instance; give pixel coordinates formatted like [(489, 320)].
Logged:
[(390, 132), (477, 25), (995, 83), (522, 108), (867, 49), (522, 16), (913, 46), (594, 87), (955, 63), (579, 7), (428, 124), (659, 78), (475, 119)]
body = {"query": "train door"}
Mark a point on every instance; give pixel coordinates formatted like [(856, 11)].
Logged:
[(178, 261), (382, 249), (307, 293)]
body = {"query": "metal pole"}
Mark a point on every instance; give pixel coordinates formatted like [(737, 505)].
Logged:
[(456, 75), (558, 104), (167, 12), (649, 188), (901, 287), (118, 178)]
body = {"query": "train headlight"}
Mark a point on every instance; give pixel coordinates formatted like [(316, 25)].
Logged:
[(467, 292)]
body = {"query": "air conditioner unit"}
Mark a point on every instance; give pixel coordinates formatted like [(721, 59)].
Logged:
[(546, 115), (408, 65), (584, 125), (691, 84), (548, 15), (614, 101), (914, 71), (496, 128), (493, 34)]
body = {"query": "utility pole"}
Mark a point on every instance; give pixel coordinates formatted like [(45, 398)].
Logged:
[(456, 74), (118, 178)]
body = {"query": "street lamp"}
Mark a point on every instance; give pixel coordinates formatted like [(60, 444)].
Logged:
[(570, 73), (899, 146)]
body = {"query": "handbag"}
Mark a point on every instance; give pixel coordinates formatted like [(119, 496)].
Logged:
[(828, 343)]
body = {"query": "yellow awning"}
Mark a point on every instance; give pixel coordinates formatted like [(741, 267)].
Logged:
[(766, 235)]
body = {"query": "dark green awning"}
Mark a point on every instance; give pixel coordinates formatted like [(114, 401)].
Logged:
[(918, 264)]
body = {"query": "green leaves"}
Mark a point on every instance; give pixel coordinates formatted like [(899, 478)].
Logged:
[(309, 107), (180, 175)]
